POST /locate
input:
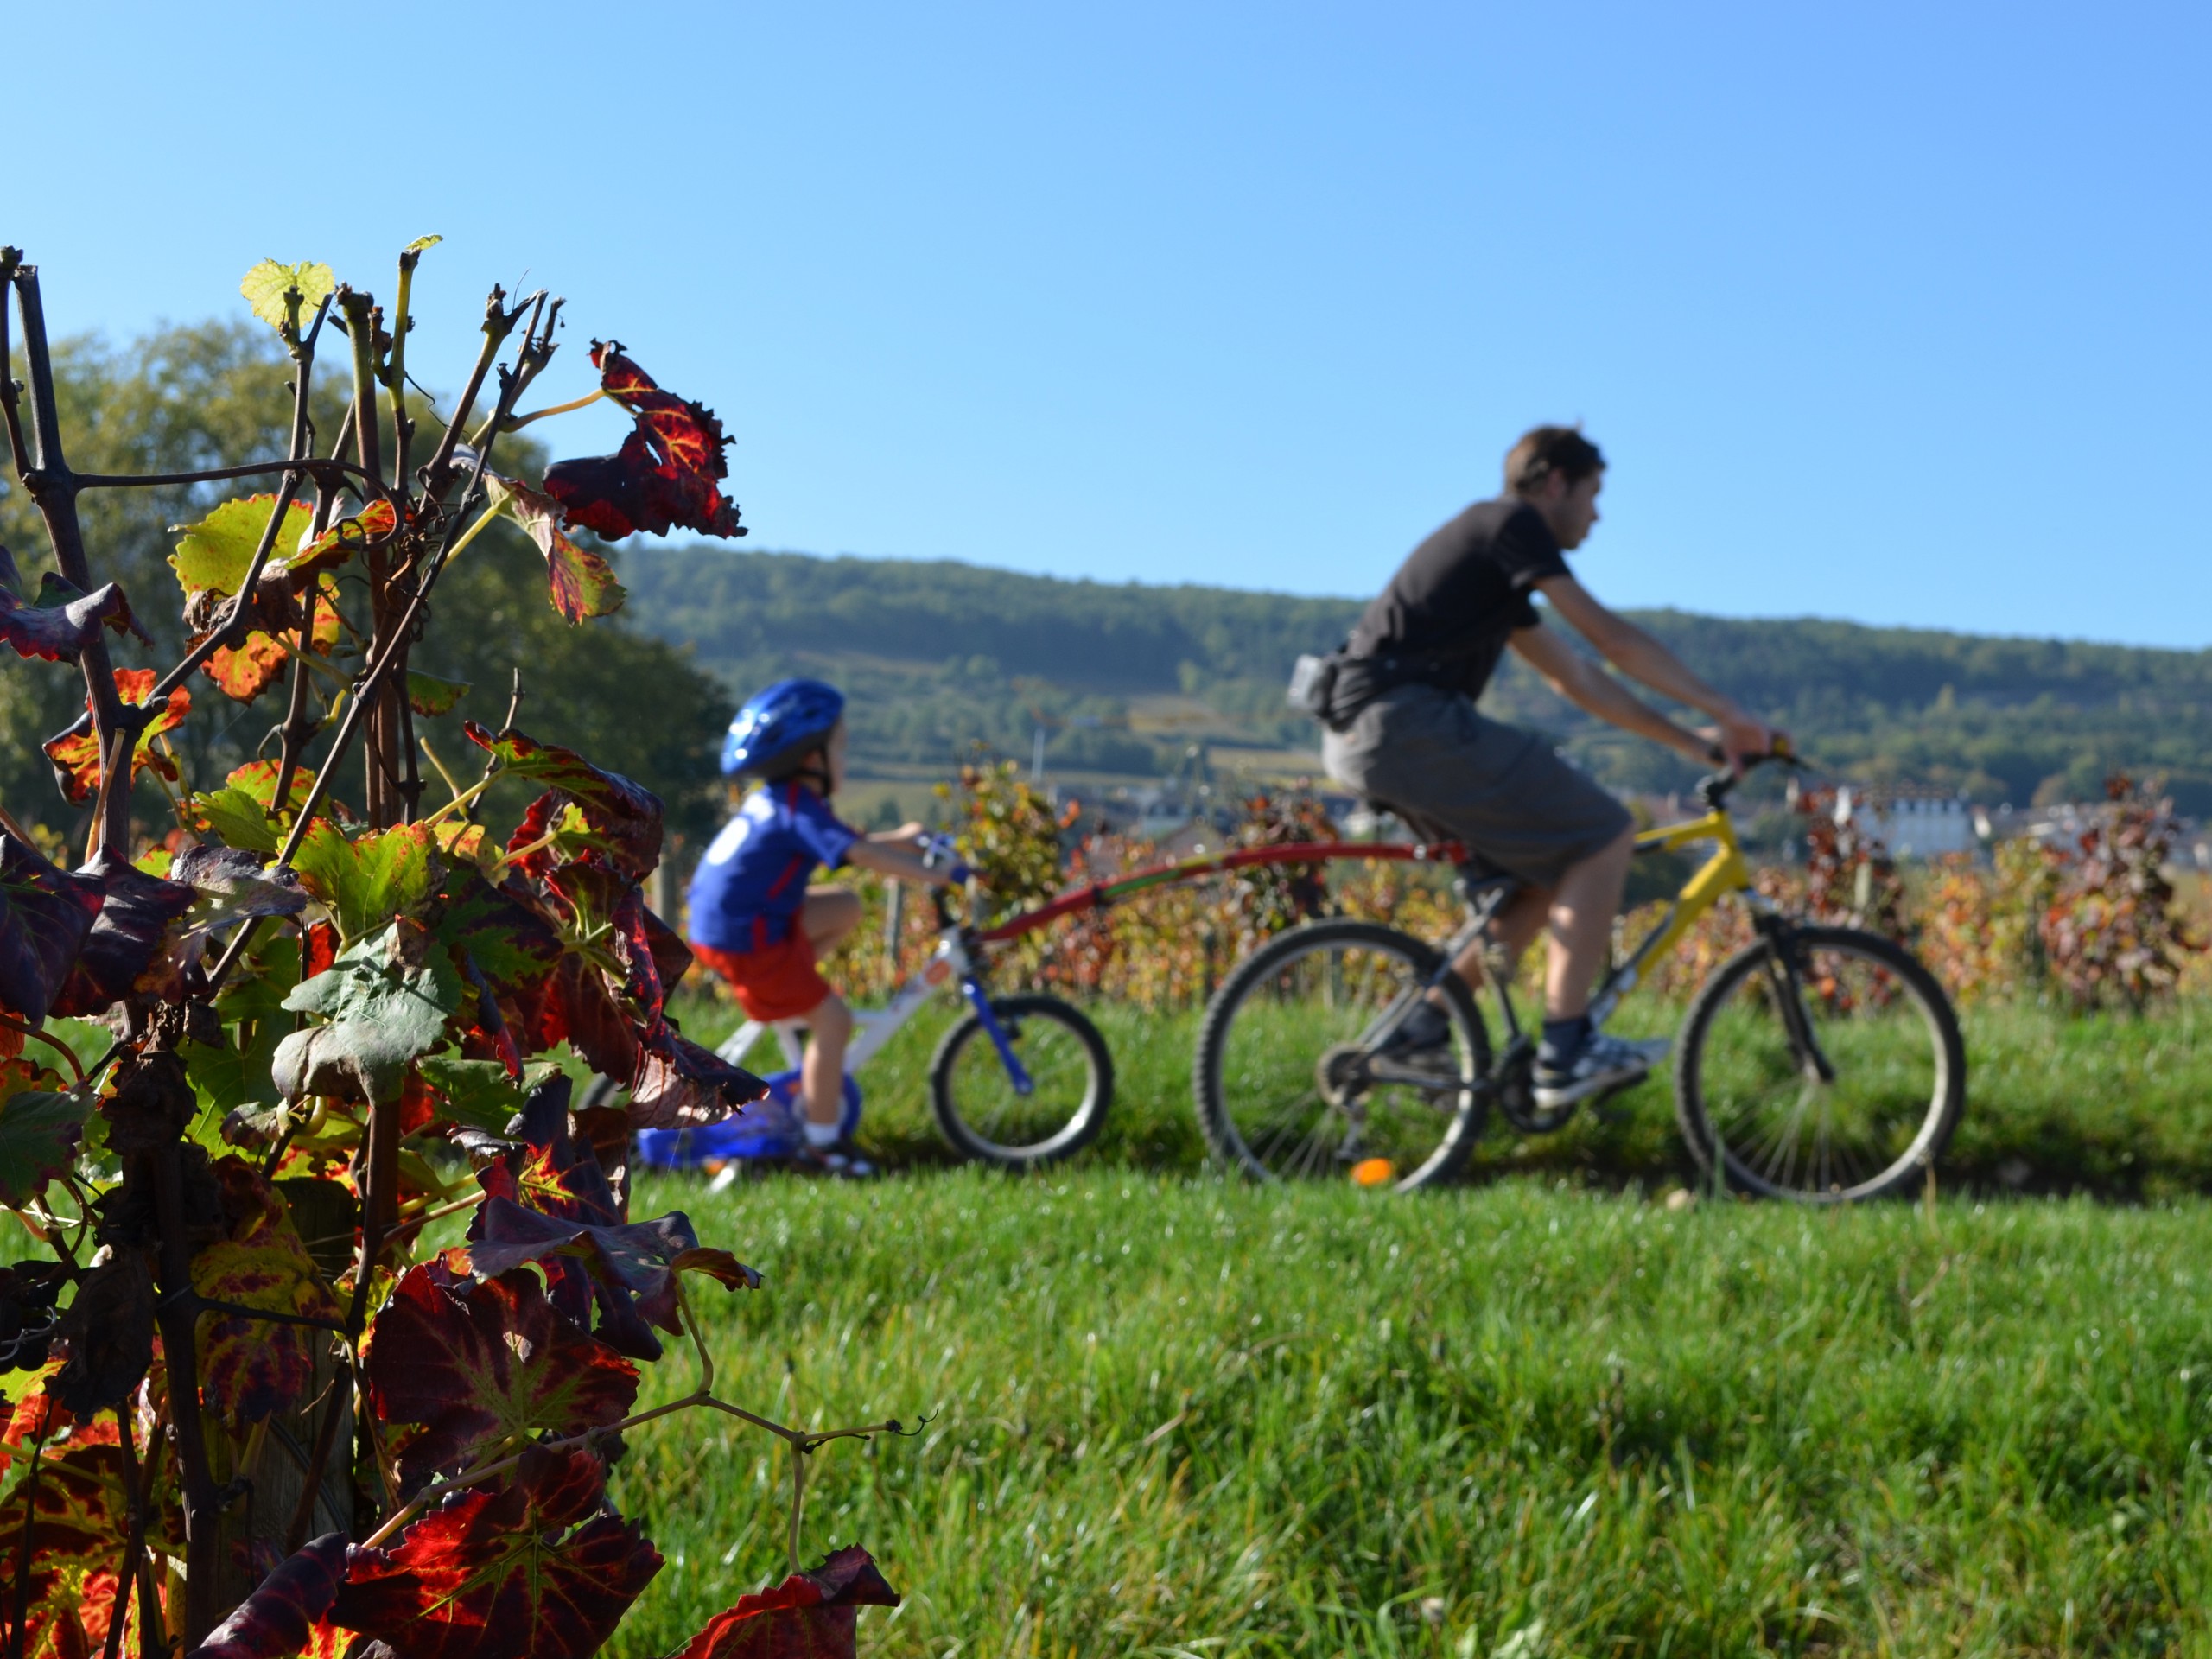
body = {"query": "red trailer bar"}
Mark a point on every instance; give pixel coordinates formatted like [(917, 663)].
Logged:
[(1099, 893)]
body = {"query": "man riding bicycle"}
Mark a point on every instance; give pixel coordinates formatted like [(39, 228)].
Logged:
[(1404, 732)]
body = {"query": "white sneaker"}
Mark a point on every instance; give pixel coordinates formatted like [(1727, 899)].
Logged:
[(1602, 1065)]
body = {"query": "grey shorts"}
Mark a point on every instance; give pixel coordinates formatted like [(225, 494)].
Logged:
[(1428, 756)]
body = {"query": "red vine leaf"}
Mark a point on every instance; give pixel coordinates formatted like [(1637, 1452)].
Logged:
[(628, 814), (335, 546), (251, 1367), (552, 1172), (665, 475), (135, 912), (76, 1525), (45, 913), (280, 1615), (579, 581), (477, 1364), (61, 621), (76, 752), (680, 1085), (811, 1615), (246, 673), (76, 1513), (493, 1575), (633, 1265)]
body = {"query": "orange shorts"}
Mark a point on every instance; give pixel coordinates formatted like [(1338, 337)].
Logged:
[(778, 983)]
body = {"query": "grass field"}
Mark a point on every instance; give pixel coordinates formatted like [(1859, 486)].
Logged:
[(1175, 1416), (2116, 1105)]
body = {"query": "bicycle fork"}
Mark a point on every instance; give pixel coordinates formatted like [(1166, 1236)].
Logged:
[(1787, 987), (972, 989)]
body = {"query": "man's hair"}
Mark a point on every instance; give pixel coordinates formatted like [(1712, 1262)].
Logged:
[(1542, 452)]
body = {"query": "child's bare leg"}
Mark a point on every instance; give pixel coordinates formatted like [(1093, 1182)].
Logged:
[(829, 915), (822, 1072)]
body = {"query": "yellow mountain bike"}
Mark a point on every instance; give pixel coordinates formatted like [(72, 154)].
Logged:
[(1819, 1064)]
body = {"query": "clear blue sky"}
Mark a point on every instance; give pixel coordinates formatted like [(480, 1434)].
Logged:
[(1888, 312)]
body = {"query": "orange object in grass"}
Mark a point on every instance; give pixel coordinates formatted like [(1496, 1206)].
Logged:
[(1373, 1172)]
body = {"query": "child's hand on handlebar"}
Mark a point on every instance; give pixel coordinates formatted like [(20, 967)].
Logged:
[(938, 852)]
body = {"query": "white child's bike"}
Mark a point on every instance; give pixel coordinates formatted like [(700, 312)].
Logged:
[(1018, 1080)]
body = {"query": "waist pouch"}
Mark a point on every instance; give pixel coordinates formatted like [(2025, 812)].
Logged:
[(1335, 687)]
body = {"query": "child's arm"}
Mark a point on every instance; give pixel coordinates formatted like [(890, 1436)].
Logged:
[(893, 857)]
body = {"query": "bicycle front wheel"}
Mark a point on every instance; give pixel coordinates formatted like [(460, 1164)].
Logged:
[(1293, 1083), (1822, 1064), (982, 1110)]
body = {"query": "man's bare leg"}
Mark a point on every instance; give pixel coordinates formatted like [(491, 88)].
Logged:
[(1579, 914), (1582, 911), (1511, 931)]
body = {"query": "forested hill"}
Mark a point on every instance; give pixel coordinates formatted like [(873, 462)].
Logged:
[(940, 655)]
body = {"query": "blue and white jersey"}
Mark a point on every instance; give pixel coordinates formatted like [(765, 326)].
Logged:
[(749, 887)]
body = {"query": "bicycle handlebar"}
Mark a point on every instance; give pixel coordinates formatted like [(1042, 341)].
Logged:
[(1714, 788)]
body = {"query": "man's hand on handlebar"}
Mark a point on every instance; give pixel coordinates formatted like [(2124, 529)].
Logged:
[(1740, 741)]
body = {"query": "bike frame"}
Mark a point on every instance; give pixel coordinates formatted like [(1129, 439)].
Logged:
[(1725, 872), (873, 1027)]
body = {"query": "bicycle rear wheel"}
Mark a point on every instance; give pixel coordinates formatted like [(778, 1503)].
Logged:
[(1070, 1074), (1289, 1081), (1822, 1064)]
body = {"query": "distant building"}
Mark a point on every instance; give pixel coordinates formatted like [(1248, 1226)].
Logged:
[(1912, 823)]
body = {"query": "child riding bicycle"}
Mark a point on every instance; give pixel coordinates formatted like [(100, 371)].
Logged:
[(756, 922)]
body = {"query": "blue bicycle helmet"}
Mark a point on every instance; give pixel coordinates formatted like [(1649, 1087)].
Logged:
[(782, 722)]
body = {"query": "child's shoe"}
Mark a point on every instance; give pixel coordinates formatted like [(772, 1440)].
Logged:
[(841, 1160)]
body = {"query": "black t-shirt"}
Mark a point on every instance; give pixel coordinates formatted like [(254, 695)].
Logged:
[(1445, 618)]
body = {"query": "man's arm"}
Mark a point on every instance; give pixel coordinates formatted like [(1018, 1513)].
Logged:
[(1635, 652), (1596, 692)]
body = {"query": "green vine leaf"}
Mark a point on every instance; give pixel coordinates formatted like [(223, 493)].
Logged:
[(213, 555), (387, 1000), (421, 242), (265, 287), (430, 697), (478, 1094), (369, 879), (38, 1131)]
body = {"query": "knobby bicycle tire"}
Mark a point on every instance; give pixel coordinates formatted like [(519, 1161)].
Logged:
[(1754, 1106), (1319, 1134), (1046, 1133)]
